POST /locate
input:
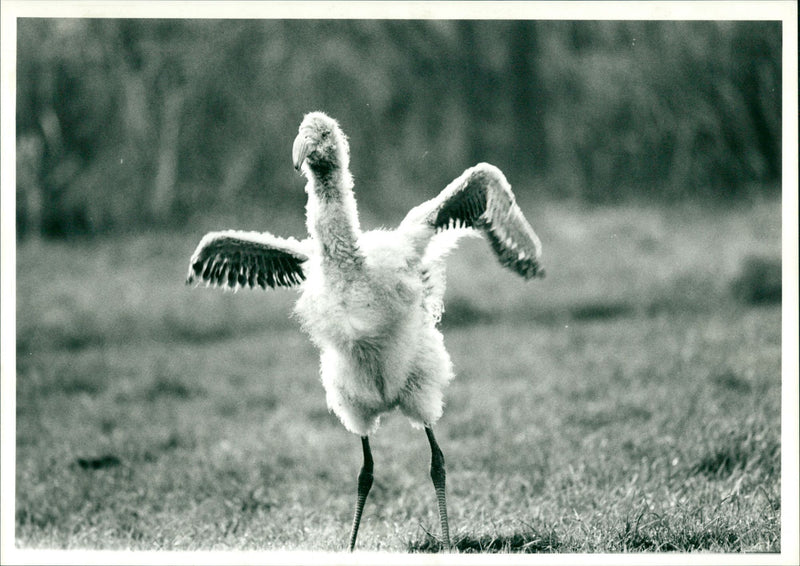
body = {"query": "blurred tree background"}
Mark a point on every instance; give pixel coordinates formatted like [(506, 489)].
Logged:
[(130, 124)]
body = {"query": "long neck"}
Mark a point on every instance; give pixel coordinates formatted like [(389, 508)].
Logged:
[(332, 219)]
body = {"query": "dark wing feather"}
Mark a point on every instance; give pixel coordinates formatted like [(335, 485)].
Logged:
[(481, 198), (245, 259)]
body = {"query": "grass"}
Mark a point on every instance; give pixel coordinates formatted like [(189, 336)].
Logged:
[(630, 402)]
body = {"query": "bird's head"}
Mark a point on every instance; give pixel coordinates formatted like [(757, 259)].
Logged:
[(321, 143)]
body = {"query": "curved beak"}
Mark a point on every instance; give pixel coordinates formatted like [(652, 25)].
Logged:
[(300, 149)]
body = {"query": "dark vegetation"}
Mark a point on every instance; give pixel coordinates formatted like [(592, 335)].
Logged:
[(759, 281), (527, 540), (124, 124)]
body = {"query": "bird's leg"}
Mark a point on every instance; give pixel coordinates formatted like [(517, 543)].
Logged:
[(438, 477), (364, 484)]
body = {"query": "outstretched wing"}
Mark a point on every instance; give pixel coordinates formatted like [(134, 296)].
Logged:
[(481, 198), (245, 259)]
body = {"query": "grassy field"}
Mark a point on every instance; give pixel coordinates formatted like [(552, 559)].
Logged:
[(629, 402)]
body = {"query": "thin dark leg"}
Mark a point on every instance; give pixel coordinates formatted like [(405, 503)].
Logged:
[(438, 477), (364, 483)]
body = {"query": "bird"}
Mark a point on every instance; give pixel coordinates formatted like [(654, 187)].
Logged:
[(371, 301)]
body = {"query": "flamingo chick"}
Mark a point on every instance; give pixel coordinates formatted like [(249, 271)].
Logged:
[(371, 301)]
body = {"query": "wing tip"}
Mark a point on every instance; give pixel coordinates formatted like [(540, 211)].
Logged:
[(537, 273), (528, 269)]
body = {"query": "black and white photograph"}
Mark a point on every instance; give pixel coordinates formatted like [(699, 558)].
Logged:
[(399, 282)]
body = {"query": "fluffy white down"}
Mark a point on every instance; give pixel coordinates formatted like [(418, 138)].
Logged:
[(371, 301), (379, 345)]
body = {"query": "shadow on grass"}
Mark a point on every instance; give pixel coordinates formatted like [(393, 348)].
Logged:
[(99, 462), (460, 312), (72, 329), (526, 542), (600, 310), (656, 535), (728, 380), (593, 419), (757, 284), (172, 387), (739, 452)]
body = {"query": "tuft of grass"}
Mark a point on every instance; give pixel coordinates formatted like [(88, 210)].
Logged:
[(527, 541), (650, 532), (729, 381), (737, 451), (759, 281), (98, 463)]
